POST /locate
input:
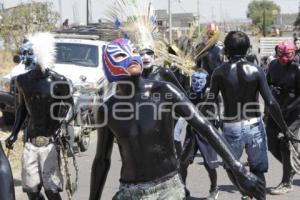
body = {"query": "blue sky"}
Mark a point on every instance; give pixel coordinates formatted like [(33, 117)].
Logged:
[(209, 9)]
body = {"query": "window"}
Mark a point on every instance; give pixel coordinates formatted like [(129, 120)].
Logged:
[(77, 54)]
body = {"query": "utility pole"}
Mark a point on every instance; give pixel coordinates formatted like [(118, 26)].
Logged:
[(198, 13), (1, 5), (170, 22), (264, 20), (87, 11), (60, 12)]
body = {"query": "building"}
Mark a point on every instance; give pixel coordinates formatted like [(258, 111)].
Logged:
[(181, 22)]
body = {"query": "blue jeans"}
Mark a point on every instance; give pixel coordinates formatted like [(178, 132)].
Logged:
[(249, 135)]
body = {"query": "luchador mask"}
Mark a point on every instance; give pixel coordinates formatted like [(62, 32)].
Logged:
[(117, 56), (199, 81), (286, 52), (147, 58)]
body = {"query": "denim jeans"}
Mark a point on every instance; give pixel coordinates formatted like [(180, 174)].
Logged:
[(249, 135), (170, 189)]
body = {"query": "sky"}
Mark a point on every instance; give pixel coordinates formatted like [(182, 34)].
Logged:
[(210, 10)]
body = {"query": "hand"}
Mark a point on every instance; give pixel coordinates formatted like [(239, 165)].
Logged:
[(248, 182), (10, 142)]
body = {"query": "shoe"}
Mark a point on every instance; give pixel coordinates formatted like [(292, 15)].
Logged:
[(213, 194), (282, 188)]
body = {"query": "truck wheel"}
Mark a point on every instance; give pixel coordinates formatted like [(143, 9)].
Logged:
[(8, 118), (84, 143)]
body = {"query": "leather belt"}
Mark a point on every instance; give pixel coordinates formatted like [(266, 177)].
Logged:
[(41, 141), (252, 121)]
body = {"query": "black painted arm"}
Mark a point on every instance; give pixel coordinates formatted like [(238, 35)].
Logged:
[(101, 163), (270, 101), (7, 190), (169, 76), (210, 107), (296, 102), (186, 109), (21, 115)]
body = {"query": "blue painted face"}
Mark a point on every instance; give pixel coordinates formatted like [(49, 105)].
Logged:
[(27, 55), (117, 57), (199, 81)]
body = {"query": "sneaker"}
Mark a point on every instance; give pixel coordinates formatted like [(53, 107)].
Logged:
[(213, 194), (282, 188)]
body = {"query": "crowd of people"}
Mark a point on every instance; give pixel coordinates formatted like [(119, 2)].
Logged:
[(140, 118)]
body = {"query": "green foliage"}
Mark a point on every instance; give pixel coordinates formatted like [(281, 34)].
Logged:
[(260, 10), (26, 18), (297, 22)]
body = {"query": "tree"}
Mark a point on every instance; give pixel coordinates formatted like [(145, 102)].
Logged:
[(263, 13), (26, 18), (297, 21)]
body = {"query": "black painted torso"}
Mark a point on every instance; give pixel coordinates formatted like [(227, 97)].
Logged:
[(285, 82), (40, 91), (146, 145), (239, 83)]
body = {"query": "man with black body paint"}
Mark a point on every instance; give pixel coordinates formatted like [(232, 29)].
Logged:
[(240, 82), (149, 166)]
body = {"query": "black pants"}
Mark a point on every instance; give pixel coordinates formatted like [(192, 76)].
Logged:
[(279, 146)]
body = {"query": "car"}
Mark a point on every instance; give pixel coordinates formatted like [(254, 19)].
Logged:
[(79, 59)]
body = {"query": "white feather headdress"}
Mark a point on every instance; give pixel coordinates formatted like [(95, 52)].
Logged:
[(43, 45), (136, 19)]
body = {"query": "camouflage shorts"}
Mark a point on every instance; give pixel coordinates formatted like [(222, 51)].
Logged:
[(40, 167), (170, 189)]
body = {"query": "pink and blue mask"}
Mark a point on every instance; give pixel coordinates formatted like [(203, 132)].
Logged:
[(117, 57)]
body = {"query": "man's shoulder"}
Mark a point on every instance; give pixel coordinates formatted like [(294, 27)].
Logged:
[(162, 70), (296, 66), (251, 68), (56, 76), (248, 66), (154, 83), (160, 86), (23, 77)]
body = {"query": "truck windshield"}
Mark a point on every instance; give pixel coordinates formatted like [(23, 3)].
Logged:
[(77, 54)]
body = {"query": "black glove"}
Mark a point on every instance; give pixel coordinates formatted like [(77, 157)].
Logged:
[(248, 182), (10, 141)]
